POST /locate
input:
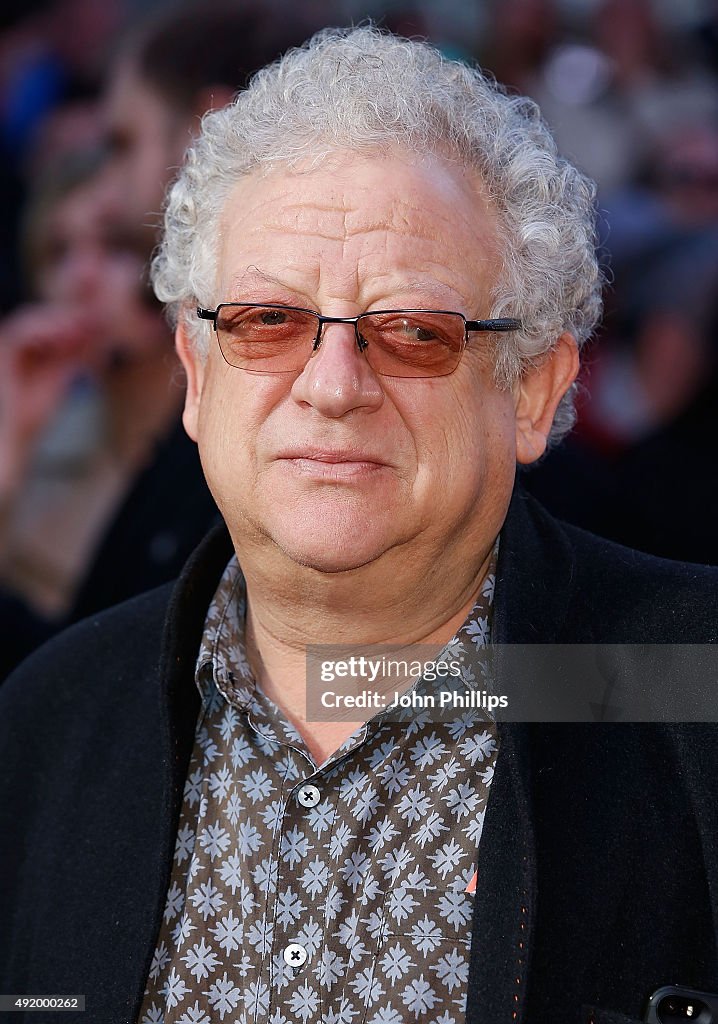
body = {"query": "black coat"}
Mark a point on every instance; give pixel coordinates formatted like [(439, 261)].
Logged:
[(598, 863)]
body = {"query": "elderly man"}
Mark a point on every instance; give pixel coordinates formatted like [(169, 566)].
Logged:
[(381, 274)]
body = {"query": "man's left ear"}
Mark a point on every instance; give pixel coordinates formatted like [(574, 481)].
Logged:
[(537, 396)]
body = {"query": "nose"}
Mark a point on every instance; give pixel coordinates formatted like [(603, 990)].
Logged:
[(337, 378)]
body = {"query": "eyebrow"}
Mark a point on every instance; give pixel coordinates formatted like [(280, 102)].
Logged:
[(252, 274)]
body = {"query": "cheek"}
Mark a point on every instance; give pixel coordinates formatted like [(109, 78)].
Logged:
[(224, 449), (482, 464), (469, 434), (222, 432), (497, 441), (234, 412), (481, 448), (499, 426)]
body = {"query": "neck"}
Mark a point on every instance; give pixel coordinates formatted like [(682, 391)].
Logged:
[(424, 608)]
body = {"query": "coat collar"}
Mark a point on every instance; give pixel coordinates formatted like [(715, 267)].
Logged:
[(180, 704), (534, 575), (180, 699)]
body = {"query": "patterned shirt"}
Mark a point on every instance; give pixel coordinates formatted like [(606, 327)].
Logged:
[(340, 893)]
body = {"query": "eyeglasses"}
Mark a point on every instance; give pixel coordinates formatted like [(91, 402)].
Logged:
[(271, 338)]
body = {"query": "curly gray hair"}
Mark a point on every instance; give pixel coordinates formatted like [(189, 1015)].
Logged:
[(363, 89)]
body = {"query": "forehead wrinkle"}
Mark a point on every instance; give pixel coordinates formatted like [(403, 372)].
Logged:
[(429, 277), (347, 234), (429, 293), (405, 218), (341, 220), (326, 221), (355, 232)]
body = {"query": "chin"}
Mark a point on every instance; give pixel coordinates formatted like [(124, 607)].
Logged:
[(329, 536), (332, 540), (329, 557)]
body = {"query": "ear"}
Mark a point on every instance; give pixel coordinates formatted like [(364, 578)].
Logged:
[(194, 368), (538, 394)]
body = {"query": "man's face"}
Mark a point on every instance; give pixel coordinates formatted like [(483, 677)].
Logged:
[(147, 140), (335, 466)]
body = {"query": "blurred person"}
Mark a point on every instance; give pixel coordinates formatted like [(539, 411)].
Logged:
[(92, 333), (659, 72), (664, 363), (607, 81), (381, 274), (173, 69), (159, 87), (90, 394), (539, 50), (652, 384), (522, 33), (661, 235), (684, 173), (52, 54)]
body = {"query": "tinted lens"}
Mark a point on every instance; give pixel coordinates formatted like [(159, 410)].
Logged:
[(405, 344), (266, 339)]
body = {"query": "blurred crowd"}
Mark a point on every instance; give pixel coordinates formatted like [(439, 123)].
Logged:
[(101, 493), (630, 89)]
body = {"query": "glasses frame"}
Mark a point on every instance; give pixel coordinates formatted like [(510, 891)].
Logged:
[(500, 324)]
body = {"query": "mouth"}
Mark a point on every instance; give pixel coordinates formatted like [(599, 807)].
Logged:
[(331, 456), (332, 464)]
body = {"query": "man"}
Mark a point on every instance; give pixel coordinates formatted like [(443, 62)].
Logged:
[(381, 273)]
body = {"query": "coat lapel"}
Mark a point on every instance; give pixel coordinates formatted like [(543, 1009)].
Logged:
[(180, 704), (532, 594), (505, 892)]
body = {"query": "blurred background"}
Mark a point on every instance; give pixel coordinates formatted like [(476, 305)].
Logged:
[(101, 494)]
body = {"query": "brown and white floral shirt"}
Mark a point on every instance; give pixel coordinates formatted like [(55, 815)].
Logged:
[(336, 894)]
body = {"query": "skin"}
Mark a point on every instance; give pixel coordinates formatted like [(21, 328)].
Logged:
[(349, 550)]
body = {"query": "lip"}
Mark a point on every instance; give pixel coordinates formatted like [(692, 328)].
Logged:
[(333, 465), (331, 456)]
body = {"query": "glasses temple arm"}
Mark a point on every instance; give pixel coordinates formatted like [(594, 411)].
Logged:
[(500, 324), (207, 314)]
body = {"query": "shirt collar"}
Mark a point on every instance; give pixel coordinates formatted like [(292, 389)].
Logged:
[(222, 664)]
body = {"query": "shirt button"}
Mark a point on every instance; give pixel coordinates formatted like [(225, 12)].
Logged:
[(309, 796), (295, 955)]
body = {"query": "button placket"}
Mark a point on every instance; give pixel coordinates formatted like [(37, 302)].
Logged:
[(293, 910)]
